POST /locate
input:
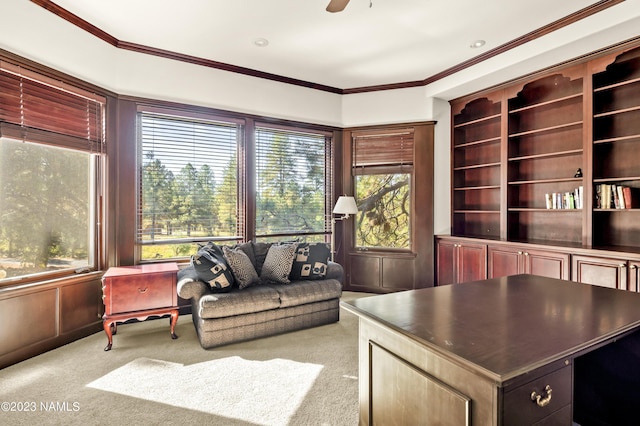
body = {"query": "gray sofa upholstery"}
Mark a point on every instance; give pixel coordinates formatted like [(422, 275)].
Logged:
[(263, 309)]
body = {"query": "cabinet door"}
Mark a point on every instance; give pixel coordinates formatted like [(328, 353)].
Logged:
[(634, 276), (472, 262), (602, 271), (504, 261), (446, 263), (547, 263)]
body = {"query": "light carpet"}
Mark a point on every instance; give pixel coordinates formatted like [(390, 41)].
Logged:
[(307, 377)]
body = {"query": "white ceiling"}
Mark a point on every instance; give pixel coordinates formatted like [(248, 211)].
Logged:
[(393, 41)]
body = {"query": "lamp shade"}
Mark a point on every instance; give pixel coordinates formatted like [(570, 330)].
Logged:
[(345, 205)]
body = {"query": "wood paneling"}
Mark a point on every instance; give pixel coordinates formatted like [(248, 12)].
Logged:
[(28, 319), (80, 305)]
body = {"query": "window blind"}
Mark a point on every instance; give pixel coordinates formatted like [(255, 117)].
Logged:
[(189, 179), (383, 148), (40, 109), (293, 180)]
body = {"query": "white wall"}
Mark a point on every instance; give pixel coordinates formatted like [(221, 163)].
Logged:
[(31, 31)]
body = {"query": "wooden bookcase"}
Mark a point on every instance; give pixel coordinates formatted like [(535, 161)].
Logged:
[(476, 168), (544, 152), (514, 144), (616, 148)]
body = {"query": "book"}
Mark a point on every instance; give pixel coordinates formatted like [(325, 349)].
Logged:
[(628, 202), (621, 203)]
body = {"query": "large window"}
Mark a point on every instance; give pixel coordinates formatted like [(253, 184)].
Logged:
[(193, 184), (189, 184), (383, 171), (51, 139), (293, 174)]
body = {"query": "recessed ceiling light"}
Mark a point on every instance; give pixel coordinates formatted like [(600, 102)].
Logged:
[(477, 43), (261, 42)]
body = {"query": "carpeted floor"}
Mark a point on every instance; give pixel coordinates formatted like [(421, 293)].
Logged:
[(307, 377)]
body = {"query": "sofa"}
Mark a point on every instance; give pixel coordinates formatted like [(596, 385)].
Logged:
[(256, 290)]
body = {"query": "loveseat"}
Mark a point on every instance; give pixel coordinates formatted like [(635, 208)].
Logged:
[(259, 289)]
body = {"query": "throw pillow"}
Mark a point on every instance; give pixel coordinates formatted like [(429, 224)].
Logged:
[(243, 270), (310, 262), (247, 248), (212, 268), (260, 251), (277, 264)]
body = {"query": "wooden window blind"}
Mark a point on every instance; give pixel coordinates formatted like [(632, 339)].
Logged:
[(385, 148), (40, 109)]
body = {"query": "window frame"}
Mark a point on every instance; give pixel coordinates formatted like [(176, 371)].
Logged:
[(55, 111)]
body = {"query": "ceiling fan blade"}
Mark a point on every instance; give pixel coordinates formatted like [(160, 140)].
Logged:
[(337, 5)]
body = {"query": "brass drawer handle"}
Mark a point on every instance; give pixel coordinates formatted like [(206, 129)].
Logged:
[(539, 399), (142, 290)]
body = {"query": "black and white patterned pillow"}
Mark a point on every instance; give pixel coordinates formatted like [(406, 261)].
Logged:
[(243, 270), (277, 264), (212, 268), (310, 262)]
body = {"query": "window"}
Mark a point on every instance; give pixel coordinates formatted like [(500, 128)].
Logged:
[(293, 180), (189, 184), (383, 169), (51, 139)]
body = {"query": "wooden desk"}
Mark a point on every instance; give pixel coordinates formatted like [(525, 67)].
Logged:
[(139, 292), (513, 350)]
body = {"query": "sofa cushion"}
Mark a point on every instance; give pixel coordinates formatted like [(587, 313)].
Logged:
[(238, 302), (211, 267), (260, 251), (310, 262), (277, 264), (302, 292), (241, 266)]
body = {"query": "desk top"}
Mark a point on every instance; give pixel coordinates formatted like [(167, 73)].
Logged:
[(507, 326)]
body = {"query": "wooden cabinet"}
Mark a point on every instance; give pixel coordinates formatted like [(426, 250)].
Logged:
[(476, 168), (139, 292), (512, 260), (460, 261), (611, 272), (565, 134)]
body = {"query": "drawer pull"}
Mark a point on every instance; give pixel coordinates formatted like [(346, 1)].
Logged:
[(539, 399), (142, 290)]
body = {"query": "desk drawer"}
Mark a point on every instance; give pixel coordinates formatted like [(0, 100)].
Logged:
[(138, 292), (519, 408)]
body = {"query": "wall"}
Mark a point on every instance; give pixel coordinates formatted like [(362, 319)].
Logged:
[(31, 31)]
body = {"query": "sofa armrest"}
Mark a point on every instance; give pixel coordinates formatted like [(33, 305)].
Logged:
[(189, 286), (335, 271)]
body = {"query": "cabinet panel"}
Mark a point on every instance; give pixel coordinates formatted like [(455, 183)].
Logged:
[(548, 264), (460, 261), (397, 273), (446, 262), (28, 319), (80, 305), (365, 271), (602, 271), (504, 261)]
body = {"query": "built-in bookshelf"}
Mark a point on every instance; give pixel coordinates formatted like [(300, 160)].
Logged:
[(476, 169), (569, 134), (616, 153), (545, 161)]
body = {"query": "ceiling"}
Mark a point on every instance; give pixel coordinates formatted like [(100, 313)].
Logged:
[(385, 42)]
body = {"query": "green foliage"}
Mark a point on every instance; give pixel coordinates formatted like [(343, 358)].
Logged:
[(44, 205), (384, 211)]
